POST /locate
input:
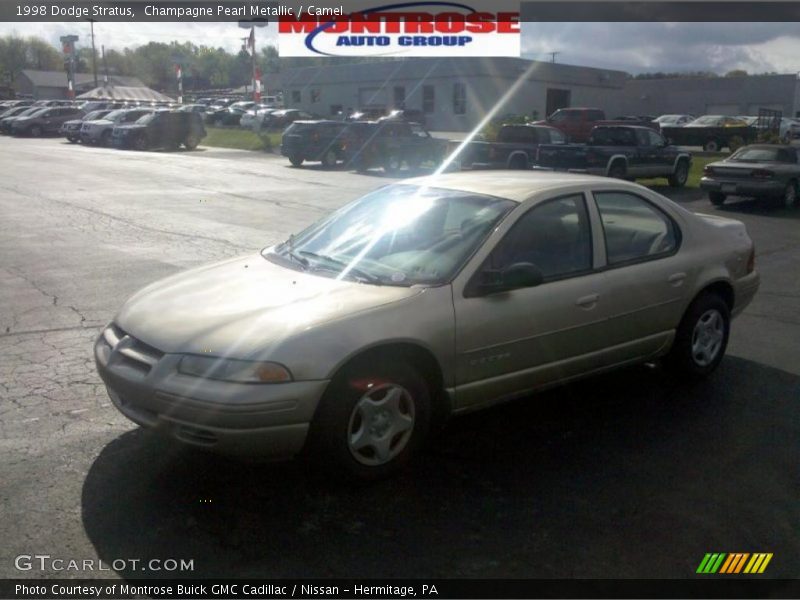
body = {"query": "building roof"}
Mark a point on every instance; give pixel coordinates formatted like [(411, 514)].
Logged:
[(58, 79), (431, 68), (118, 92)]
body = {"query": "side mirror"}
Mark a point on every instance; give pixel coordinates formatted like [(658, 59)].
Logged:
[(516, 276)]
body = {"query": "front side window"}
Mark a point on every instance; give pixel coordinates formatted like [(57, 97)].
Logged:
[(555, 237), (634, 229), (398, 235)]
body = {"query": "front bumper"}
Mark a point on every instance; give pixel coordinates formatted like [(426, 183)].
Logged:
[(744, 290), (266, 420), (738, 187)]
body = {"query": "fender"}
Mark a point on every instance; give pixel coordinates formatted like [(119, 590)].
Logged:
[(612, 159), (518, 153), (680, 156)]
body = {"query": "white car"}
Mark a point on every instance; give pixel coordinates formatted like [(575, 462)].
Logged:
[(674, 120)]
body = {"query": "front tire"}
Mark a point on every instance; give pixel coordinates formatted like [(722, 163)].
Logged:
[(392, 164), (297, 161), (701, 338), (680, 176), (618, 171), (140, 143), (717, 198), (372, 420), (105, 139), (191, 142), (36, 131), (711, 146)]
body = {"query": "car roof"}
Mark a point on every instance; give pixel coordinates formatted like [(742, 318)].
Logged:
[(512, 185)]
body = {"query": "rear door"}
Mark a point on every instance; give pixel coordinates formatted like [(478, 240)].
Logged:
[(647, 277)]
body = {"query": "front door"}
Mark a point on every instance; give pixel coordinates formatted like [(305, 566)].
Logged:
[(513, 341)]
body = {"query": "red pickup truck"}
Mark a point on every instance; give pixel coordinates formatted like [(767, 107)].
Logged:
[(577, 123)]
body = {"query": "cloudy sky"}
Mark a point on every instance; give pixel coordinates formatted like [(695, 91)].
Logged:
[(632, 47)]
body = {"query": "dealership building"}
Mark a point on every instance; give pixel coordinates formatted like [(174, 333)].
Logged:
[(712, 95), (454, 93)]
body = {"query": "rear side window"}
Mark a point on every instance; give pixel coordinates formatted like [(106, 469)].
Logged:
[(594, 115), (634, 229)]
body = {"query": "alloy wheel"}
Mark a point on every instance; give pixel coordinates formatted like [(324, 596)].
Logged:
[(707, 337), (381, 424)]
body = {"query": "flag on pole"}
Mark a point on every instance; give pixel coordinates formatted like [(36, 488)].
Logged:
[(251, 41)]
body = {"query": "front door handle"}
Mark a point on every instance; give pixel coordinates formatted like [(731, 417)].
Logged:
[(676, 279), (587, 301)]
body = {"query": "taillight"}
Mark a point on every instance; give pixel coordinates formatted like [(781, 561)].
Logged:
[(708, 171), (751, 260), (762, 174)]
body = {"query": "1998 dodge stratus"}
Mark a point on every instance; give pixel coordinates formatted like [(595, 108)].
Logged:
[(424, 298)]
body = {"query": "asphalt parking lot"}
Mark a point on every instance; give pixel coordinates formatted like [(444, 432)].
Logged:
[(627, 475)]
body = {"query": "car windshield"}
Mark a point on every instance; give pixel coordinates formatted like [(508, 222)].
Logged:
[(98, 114), (759, 155), (668, 119), (146, 118), (707, 120), (115, 115), (398, 235), (32, 112)]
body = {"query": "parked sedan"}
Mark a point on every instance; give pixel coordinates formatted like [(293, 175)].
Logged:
[(45, 122), (429, 297), (674, 120), (766, 171), (8, 119)]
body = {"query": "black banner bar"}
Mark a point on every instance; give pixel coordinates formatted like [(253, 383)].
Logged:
[(531, 11), (738, 586)]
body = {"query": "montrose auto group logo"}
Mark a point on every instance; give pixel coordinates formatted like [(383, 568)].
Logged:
[(404, 29)]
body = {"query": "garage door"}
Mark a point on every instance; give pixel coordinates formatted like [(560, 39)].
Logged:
[(373, 98), (730, 110)]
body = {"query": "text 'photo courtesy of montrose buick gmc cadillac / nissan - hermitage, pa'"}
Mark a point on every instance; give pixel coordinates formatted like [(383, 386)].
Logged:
[(355, 337)]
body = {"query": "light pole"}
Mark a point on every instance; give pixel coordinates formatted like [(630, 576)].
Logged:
[(68, 48), (94, 53), (251, 45)]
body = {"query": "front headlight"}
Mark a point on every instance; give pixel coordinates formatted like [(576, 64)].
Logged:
[(230, 369)]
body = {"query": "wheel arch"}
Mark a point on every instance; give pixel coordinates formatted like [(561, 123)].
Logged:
[(416, 354), (720, 287), (518, 154), (617, 158)]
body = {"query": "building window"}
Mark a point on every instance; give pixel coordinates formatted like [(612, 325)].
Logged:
[(315, 95), (399, 97), (459, 98), (428, 99), (297, 97)]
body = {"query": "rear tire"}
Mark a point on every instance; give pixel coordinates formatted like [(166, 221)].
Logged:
[(140, 143), (789, 197), (105, 139), (36, 131), (371, 421), (701, 338), (680, 176), (717, 198), (618, 171), (518, 163), (72, 139), (392, 164), (711, 146), (191, 142), (329, 159), (297, 161)]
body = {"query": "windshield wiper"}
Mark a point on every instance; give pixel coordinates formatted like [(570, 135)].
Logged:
[(356, 272)]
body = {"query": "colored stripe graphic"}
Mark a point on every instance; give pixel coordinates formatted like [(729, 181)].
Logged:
[(758, 563), (734, 563), (711, 562)]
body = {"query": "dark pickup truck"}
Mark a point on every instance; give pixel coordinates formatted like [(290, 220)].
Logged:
[(713, 133), (621, 151), (390, 144), (515, 147)]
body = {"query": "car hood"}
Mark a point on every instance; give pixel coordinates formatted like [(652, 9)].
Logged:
[(241, 306), (100, 123), (726, 164)]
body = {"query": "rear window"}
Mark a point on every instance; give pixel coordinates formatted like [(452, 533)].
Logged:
[(612, 136)]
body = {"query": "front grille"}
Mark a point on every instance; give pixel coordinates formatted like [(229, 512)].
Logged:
[(732, 172), (127, 351)]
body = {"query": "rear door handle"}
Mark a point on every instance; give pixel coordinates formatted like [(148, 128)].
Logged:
[(676, 279), (587, 301)]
